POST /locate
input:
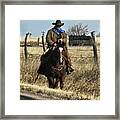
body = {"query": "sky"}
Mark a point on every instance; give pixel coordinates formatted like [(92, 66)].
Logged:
[(37, 26)]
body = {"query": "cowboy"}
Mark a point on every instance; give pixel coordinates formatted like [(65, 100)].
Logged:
[(57, 33)]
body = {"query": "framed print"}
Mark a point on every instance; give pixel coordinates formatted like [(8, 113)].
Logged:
[(60, 59)]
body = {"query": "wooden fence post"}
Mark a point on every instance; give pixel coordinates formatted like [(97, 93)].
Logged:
[(25, 45), (43, 41), (38, 41), (94, 47)]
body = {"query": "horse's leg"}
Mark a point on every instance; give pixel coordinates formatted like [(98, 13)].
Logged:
[(50, 80), (61, 82), (56, 82)]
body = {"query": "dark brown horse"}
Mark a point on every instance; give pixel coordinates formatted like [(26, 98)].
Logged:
[(53, 65)]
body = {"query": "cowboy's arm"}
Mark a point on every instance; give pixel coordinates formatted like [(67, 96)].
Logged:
[(65, 39), (49, 38)]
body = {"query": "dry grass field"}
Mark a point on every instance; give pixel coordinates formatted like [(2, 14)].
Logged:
[(82, 84)]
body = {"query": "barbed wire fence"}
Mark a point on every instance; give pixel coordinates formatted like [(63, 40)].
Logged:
[(74, 43)]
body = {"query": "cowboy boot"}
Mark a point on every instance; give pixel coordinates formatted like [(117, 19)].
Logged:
[(69, 68)]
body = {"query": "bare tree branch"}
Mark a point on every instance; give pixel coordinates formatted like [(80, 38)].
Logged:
[(78, 29)]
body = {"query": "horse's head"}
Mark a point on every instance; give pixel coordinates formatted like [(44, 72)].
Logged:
[(60, 48)]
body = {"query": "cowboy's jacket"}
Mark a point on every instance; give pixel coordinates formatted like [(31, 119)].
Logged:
[(52, 37)]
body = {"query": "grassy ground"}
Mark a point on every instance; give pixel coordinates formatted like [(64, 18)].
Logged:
[(83, 83)]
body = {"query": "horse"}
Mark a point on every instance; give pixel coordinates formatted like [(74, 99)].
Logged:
[(53, 65)]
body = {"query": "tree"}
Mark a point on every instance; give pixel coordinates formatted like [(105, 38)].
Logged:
[(78, 29)]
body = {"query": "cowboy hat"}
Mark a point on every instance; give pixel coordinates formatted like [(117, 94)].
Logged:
[(58, 23)]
